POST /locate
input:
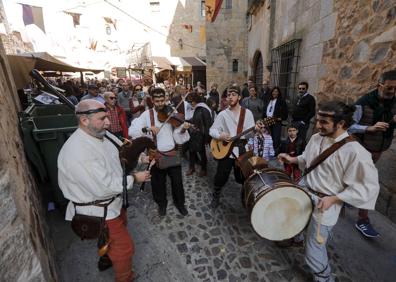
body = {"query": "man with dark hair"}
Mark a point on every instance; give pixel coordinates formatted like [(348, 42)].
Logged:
[(166, 138), (254, 104), (375, 119), (246, 87), (304, 110), (229, 123), (265, 91), (347, 175), (202, 120), (90, 176)]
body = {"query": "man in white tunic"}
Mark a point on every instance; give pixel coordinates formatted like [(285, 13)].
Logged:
[(347, 175), (166, 137), (224, 128), (89, 170)]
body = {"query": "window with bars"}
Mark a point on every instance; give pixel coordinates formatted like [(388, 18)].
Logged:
[(228, 4), (283, 68)]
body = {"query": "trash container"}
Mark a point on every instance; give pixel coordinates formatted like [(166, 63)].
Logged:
[(45, 129)]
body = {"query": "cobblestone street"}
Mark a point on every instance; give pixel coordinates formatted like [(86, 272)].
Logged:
[(220, 245)]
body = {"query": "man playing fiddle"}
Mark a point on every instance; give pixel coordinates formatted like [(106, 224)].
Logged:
[(168, 162)]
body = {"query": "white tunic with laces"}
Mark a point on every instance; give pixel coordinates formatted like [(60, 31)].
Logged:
[(167, 138), (349, 173), (227, 122), (89, 169)]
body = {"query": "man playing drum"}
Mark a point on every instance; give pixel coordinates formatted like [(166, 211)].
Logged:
[(347, 175)]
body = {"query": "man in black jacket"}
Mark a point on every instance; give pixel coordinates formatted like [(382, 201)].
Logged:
[(199, 134), (304, 110)]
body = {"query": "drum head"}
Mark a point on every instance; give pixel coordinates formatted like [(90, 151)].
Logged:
[(281, 213)]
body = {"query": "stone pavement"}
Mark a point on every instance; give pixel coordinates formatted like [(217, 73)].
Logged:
[(220, 245)]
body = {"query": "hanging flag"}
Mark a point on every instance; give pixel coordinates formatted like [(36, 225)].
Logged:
[(93, 44), (111, 21), (188, 27), (212, 8), (76, 18), (33, 15)]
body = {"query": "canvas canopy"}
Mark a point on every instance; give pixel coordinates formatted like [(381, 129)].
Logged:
[(22, 64)]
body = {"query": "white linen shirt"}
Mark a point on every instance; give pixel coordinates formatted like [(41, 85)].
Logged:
[(167, 137), (89, 169), (227, 122), (349, 173)]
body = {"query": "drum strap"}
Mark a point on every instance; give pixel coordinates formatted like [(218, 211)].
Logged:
[(326, 153)]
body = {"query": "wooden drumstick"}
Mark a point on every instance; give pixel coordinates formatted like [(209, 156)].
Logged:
[(319, 237)]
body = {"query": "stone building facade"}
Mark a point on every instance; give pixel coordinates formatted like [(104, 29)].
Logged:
[(339, 47), (187, 30), (26, 252), (286, 41), (226, 45)]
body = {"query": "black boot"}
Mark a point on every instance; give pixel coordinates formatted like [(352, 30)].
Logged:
[(104, 263), (215, 200)]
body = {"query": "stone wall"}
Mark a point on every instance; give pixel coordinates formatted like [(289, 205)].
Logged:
[(364, 45), (226, 40), (259, 36), (25, 253), (187, 25)]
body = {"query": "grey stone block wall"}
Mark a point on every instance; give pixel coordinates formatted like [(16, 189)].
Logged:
[(25, 253)]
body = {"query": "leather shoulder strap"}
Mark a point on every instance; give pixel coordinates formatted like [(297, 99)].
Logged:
[(152, 117), (241, 120), (326, 153)]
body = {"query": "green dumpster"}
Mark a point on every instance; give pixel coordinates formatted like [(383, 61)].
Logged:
[(45, 129)]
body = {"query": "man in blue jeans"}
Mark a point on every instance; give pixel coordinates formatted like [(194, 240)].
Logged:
[(375, 119)]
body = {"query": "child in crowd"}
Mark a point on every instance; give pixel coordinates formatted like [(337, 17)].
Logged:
[(294, 146), (261, 144)]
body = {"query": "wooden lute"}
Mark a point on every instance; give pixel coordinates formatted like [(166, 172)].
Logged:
[(221, 149)]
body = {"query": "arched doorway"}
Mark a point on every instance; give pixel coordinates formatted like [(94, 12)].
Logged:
[(258, 69)]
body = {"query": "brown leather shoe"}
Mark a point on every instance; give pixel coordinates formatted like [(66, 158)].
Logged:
[(190, 171), (202, 173)]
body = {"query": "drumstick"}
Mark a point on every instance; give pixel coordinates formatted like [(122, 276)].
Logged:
[(319, 237)]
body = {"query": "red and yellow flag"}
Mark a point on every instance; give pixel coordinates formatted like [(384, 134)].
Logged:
[(212, 8)]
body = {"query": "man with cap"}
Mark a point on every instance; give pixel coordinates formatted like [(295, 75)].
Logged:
[(224, 127), (93, 94), (90, 175)]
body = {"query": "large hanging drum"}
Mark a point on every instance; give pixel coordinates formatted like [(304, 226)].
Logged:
[(278, 208)]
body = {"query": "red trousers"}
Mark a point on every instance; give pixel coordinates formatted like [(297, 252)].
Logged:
[(293, 171), (121, 248)]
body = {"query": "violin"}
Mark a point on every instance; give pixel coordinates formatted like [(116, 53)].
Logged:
[(168, 115)]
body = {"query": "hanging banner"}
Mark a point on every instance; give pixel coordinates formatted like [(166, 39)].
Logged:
[(33, 15), (212, 8), (76, 18)]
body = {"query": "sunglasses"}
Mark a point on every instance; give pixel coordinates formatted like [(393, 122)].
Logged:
[(300, 88), (112, 98), (388, 88)]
